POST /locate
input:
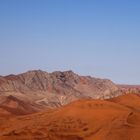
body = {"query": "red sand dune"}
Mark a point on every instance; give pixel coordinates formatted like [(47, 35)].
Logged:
[(115, 119)]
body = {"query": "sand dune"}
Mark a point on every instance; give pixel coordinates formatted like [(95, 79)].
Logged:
[(115, 119)]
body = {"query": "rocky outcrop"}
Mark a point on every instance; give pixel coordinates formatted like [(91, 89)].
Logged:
[(128, 89)]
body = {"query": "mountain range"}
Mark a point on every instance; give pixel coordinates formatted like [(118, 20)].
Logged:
[(55, 89), (37, 105)]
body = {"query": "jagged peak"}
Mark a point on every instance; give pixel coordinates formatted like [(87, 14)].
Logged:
[(12, 76), (36, 71), (69, 72)]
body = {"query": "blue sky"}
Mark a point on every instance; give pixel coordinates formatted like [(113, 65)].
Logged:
[(91, 37)]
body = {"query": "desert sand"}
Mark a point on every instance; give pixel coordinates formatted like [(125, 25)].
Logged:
[(87, 119)]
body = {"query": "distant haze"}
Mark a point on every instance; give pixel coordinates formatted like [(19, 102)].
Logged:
[(98, 38)]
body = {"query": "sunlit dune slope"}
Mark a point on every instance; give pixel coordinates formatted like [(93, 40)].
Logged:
[(115, 119), (129, 100)]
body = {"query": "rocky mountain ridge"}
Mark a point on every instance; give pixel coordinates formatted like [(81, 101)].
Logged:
[(56, 88)]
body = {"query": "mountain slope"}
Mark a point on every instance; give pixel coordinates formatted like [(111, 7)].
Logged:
[(12, 106), (57, 88)]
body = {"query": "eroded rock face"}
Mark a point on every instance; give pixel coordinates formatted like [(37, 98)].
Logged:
[(57, 88), (128, 89)]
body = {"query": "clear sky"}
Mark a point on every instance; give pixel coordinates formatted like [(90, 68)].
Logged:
[(100, 38)]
